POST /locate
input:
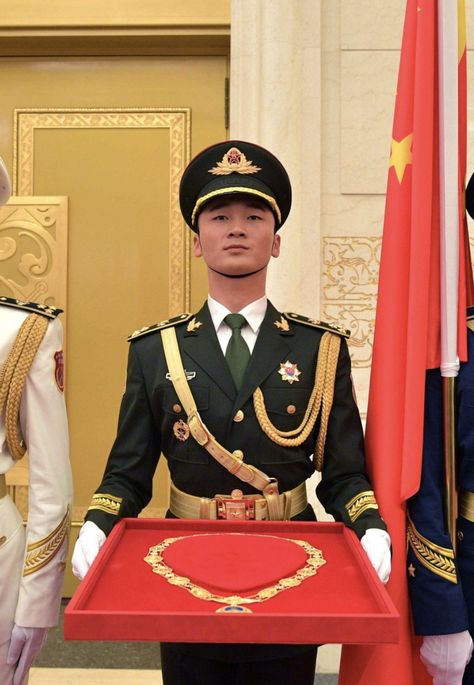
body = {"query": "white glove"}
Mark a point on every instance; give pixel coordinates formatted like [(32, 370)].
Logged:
[(90, 540), (25, 643), (376, 544), (446, 656)]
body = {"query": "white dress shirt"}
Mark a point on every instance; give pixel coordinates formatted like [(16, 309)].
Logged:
[(254, 314)]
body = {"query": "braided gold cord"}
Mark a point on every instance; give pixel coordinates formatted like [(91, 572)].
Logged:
[(8, 367), (264, 420), (13, 377), (328, 397), (284, 438), (322, 393)]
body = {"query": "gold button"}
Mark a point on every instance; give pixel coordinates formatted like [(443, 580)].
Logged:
[(238, 454), (291, 409), (3, 539), (239, 416), (177, 408)]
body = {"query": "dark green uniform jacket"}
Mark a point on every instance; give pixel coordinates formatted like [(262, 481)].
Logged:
[(150, 410)]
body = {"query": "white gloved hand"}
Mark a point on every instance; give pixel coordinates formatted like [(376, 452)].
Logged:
[(90, 540), (446, 656), (376, 544), (25, 643)]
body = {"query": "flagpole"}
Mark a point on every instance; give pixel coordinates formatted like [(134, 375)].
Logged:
[(449, 239)]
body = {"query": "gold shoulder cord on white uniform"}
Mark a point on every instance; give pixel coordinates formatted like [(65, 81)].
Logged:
[(13, 376), (323, 393), (231, 461)]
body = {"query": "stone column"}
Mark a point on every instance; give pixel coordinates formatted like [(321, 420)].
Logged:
[(275, 101)]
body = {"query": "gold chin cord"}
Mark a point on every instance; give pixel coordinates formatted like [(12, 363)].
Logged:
[(449, 417), (13, 376)]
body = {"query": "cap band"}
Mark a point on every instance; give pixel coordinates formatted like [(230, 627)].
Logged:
[(236, 189)]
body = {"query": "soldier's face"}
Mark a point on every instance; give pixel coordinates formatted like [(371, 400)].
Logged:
[(236, 236)]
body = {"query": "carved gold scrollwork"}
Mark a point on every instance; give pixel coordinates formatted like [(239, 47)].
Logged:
[(33, 234), (349, 287)]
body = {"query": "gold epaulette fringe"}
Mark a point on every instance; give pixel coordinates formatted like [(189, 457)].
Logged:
[(321, 399), (13, 376)]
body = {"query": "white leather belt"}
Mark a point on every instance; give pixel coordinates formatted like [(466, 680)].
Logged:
[(236, 506)]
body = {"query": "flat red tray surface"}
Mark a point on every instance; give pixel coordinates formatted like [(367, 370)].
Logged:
[(122, 599)]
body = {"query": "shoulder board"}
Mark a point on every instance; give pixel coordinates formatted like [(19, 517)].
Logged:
[(35, 307), (159, 326), (316, 323)]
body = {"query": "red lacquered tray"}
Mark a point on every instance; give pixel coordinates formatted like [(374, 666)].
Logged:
[(121, 597)]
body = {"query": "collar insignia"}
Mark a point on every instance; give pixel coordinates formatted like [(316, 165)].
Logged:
[(193, 325), (289, 372), (282, 325), (234, 161)]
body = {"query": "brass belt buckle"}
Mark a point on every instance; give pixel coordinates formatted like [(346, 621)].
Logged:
[(235, 507)]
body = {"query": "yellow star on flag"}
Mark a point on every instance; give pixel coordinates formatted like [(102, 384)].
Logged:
[(401, 155)]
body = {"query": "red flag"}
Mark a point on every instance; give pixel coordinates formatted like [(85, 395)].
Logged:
[(407, 327)]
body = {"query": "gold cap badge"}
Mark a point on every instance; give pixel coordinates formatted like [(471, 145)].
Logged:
[(234, 161)]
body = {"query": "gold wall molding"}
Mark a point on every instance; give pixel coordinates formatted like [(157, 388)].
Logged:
[(30, 14), (177, 121), (349, 289), (33, 249), (115, 27)]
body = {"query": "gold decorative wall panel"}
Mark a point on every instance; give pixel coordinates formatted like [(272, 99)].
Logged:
[(33, 249), (33, 260), (177, 122), (349, 289)]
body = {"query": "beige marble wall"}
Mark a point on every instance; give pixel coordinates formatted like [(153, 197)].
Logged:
[(276, 102), (361, 43), (353, 195), (315, 81)]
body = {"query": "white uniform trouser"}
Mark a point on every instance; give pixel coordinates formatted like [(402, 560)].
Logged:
[(12, 552)]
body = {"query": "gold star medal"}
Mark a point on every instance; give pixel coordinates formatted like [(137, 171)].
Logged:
[(289, 372)]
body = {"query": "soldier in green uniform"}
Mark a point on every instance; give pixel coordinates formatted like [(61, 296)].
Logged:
[(270, 401)]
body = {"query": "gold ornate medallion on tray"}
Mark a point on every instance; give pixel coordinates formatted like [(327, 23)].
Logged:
[(235, 602)]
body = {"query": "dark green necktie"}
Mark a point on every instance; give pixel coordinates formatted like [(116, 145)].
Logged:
[(237, 352)]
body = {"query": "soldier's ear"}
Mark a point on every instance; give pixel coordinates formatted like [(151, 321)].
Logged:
[(276, 245), (197, 249)]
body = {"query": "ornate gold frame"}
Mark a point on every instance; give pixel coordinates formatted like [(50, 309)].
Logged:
[(176, 120)]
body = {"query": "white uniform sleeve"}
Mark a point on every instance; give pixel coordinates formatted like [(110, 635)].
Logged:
[(44, 427)]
